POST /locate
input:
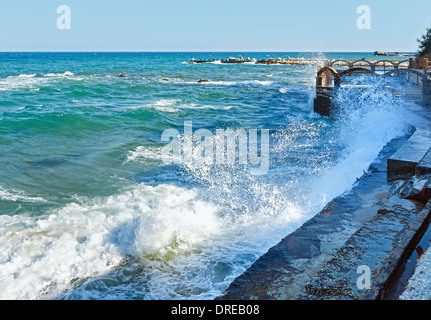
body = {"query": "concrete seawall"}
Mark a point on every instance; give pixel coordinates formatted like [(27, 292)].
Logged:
[(377, 224)]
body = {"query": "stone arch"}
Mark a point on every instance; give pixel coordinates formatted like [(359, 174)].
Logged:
[(326, 69), (356, 70), (339, 60), (389, 61), (363, 61), (325, 77), (404, 61)]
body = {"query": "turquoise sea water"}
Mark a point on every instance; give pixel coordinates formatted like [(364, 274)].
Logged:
[(88, 208)]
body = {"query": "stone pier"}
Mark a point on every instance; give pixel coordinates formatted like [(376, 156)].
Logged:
[(329, 79)]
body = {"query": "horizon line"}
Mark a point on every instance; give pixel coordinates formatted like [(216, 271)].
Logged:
[(193, 51)]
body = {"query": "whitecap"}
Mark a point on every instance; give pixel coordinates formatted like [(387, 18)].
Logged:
[(41, 257), (232, 83), (174, 105), (64, 74), (17, 195), (24, 76), (142, 154)]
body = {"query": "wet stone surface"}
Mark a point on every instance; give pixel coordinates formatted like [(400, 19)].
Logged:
[(378, 245), (285, 270)]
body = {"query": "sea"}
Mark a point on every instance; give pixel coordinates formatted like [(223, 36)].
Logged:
[(92, 206)]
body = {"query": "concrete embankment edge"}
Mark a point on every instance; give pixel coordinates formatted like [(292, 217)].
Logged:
[(320, 259)]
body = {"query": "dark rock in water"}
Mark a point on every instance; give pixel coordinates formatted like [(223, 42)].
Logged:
[(165, 79), (203, 80), (122, 75)]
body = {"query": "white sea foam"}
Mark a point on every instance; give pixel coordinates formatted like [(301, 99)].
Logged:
[(232, 83), (20, 82), (24, 76), (219, 83), (14, 195), (142, 154), (175, 105), (216, 82), (367, 121), (64, 74), (31, 81), (41, 256), (165, 105)]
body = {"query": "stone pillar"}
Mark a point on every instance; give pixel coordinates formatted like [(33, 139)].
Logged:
[(325, 92), (326, 79), (411, 63), (396, 70), (323, 103), (318, 82)]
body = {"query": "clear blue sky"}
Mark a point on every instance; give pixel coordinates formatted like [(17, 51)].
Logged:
[(202, 25)]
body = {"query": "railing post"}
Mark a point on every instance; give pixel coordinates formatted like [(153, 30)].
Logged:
[(337, 81), (426, 92)]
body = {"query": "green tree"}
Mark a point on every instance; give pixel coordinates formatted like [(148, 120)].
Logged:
[(425, 43)]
